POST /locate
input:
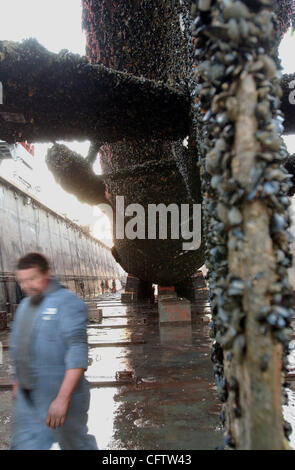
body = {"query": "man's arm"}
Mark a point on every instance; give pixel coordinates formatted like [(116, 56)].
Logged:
[(74, 319), (59, 407)]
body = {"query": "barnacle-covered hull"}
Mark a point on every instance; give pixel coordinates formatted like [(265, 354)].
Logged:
[(156, 182), (250, 294), (139, 115), (148, 39), (234, 146), (118, 100), (48, 96)]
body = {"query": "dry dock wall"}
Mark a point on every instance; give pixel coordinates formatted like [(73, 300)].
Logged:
[(78, 259)]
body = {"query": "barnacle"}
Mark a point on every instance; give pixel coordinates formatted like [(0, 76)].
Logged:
[(246, 172)]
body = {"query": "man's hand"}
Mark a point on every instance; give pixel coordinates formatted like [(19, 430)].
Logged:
[(57, 412), (59, 407)]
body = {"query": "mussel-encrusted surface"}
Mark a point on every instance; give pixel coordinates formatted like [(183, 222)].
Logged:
[(51, 96), (151, 39), (238, 125), (285, 10), (75, 175), (164, 262)]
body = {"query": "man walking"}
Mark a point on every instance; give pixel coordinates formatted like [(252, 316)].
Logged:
[(49, 350)]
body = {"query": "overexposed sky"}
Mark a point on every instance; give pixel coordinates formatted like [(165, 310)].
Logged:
[(286, 52), (56, 24)]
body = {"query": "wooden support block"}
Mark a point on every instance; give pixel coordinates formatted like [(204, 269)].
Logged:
[(174, 310), (95, 315)]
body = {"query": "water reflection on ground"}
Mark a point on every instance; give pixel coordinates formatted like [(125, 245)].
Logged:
[(171, 403)]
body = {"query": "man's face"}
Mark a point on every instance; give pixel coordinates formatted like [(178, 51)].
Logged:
[(32, 281)]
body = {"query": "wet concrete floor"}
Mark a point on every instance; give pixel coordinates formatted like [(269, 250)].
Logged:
[(171, 403), (169, 400)]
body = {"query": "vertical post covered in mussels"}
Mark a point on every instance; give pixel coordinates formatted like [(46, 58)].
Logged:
[(238, 125)]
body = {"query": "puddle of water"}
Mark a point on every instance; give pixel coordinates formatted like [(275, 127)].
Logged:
[(172, 406), (108, 334), (105, 362), (101, 416), (289, 415)]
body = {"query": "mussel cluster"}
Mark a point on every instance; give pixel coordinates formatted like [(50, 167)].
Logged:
[(285, 17), (48, 96), (75, 175), (234, 41)]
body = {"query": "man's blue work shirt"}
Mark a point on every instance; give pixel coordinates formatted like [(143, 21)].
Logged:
[(59, 339)]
